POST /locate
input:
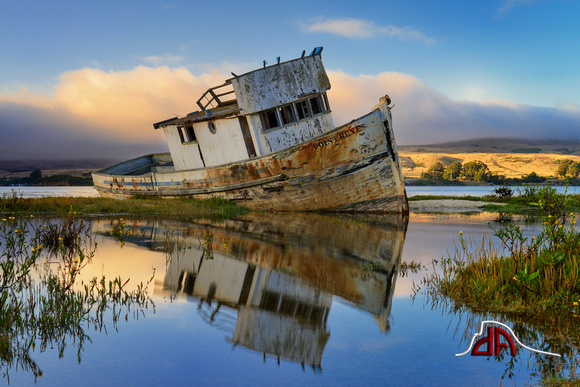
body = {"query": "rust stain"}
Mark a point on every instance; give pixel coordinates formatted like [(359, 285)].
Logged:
[(348, 169)]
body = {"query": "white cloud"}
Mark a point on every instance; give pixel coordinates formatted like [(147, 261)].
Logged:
[(162, 59), (508, 5), (363, 29)]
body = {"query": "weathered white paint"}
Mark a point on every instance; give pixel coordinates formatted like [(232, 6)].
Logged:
[(256, 130), (287, 136), (280, 84), (186, 155), (255, 92), (225, 146), (307, 165)]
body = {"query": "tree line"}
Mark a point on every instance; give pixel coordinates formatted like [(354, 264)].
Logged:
[(470, 171), (478, 171), (568, 168)]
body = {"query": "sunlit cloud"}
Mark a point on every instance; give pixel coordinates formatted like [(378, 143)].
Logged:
[(97, 106), (94, 113), (364, 29), (422, 115)]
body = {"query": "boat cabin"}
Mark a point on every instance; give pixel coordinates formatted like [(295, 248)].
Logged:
[(253, 114)]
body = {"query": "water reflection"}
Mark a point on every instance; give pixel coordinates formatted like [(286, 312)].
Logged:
[(558, 334), (269, 279)]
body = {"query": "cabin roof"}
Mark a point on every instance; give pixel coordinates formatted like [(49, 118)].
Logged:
[(249, 80), (230, 110)]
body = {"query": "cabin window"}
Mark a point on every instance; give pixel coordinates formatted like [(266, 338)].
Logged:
[(181, 136), (302, 108), (186, 134), (299, 110), (316, 105), (325, 101), (270, 119), (287, 114), (190, 133)]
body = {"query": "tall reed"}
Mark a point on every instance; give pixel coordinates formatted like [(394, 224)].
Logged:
[(42, 303)]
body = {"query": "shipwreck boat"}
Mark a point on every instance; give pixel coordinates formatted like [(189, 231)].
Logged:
[(266, 140)]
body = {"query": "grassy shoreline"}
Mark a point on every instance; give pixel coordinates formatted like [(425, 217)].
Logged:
[(518, 202), (513, 200), (175, 208)]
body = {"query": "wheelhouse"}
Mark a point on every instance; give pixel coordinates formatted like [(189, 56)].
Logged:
[(253, 114)]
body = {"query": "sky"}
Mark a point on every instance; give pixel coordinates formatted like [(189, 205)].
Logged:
[(87, 79)]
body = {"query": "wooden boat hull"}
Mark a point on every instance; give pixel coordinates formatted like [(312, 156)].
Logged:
[(353, 168)]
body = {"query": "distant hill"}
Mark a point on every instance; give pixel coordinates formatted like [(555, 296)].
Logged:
[(504, 156), (499, 145), (12, 169)]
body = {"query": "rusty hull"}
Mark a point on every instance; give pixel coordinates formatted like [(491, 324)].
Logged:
[(354, 168)]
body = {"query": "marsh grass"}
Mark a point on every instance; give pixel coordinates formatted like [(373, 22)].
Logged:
[(534, 275), (525, 199), (532, 281), (182, 208), (512, 200), (43, 305)]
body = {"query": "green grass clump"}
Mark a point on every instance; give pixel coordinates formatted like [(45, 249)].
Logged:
[(178, 207), (537, 275)]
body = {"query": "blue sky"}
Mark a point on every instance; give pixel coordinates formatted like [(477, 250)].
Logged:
[(92, 77)]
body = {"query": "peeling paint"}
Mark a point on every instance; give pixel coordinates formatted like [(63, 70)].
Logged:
[(331, 181), (290, 157)]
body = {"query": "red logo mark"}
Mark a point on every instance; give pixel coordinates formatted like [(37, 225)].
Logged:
[(494, 344)]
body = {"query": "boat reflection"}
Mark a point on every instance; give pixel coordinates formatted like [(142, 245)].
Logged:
[(269, 279)]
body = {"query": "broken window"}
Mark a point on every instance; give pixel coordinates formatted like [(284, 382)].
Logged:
[(316, 106), (302, 108), (291, 113), (186, 134), (325, 101), (190, 133), (180, 131), (270, 119), (287, 114)]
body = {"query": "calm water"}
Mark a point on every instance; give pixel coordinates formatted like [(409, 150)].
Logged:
[(285, 299), (36, 192), (32, 192)]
